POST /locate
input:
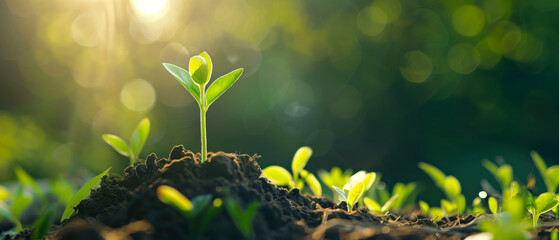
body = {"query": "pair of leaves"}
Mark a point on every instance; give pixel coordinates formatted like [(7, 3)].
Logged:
[(281, 177), (502, 174), (81, 194), (449, 184), (405, 193), (242, 218), (543, 203), (550, 175), (353, 195), (377, 208), (137, 141), (198, 212), (200, 68)]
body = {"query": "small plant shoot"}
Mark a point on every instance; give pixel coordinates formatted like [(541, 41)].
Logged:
[(281, 177), (137, 141), (543, 203), (456, 202), (375, 207), (242, 218), (195, 81), (82, 194), (198, 213)]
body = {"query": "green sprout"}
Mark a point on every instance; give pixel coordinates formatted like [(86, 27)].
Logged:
[(195, 81), (81, 194), (509, 224), (493, 205), (137, 141), (543, 203), (198, 213), (456, 202), (375, 207), (281, 177), (242, 218), (353, 195), (550, 176)]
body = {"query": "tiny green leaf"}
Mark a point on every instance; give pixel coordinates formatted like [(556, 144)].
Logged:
[(354, 194), (460, 202), (448, 206), (24, 178), (553, 174), (493, 205), (340, 192), (505, 175), (139, 137), (424, 207), (220, 85), (314, 185), (452, 187), (372, 205), (21, 201), (437, 175), (117, 143), (278, 175), (81, 194), (173, 197), (436, 212), (300, 160), (542, 168), (41, 226), (242, 219), (198, 69), (388, 204), (369, 180), (185, 79), (490, 166)]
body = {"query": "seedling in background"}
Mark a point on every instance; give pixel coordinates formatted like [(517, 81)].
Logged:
[(335, 178), (550, 176), (504, 175), (242, 218), (195, 81), (137, 141), (543, 203), (509, 224), (81, 194), (281, 177), (198, 213), (375, 207), (456, 202)]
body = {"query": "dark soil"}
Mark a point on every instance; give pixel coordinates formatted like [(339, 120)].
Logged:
[(128, 206)]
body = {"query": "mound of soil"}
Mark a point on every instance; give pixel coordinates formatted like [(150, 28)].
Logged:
[(128, 205)]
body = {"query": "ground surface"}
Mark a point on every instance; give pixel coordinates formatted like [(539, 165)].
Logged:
[(128, 206)]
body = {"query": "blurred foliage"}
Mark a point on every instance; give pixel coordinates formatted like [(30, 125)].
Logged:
[(367, 84)]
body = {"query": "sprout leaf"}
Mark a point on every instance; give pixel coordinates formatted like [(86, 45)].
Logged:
[(436, 174), (139, 137), (185, 79), (354, 194), (220, 85), (117, 143), (81, 194), (278, 175)]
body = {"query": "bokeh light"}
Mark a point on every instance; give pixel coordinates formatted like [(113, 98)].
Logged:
[(416, 66)]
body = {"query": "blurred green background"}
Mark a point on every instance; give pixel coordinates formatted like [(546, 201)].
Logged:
[(377, 85)]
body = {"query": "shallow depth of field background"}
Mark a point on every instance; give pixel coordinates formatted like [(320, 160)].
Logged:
[(377, 85)]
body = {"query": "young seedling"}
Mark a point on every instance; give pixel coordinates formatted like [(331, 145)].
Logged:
[(242, 218), (456, 202), (509, 223), (543, 203), (137, 141), (504, 176), (195, 81), (550, 175), (375, 207), (281, 177), (335, 178), (81, 194), (355, 192), (198, 213)]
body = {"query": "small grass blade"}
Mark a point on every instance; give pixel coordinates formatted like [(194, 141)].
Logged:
[(372, 205), (313, 184), (278, 175), (436, 174), (139, 137), (220, 85), (41, 226), (81, 194), (185, 79), (173, 197), (117, 143), (24, 178), (424, 207), (388, 204), (6, 213), (354, 194), (21, 201)]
